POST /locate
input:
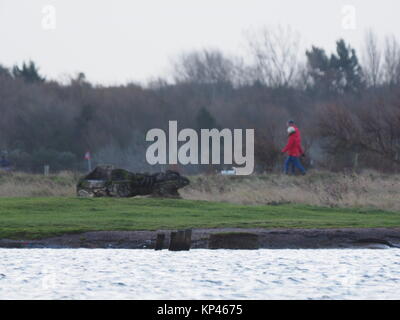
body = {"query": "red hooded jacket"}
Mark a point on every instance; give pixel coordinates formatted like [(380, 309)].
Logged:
[(293, 147)]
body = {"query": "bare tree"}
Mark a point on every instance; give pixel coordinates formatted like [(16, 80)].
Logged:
[(372, 65), (276, 56), (373, 131), (206, 66), (391, 65)]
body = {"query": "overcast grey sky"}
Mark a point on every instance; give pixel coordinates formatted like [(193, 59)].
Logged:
[(115, 41)]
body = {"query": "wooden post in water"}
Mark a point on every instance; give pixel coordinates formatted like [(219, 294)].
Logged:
[(188, 239), (172, 241), (180, 240), (160, 241)]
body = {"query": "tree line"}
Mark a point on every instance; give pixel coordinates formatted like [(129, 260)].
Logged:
[(347, 106)]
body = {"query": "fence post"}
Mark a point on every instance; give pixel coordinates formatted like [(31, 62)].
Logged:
[(356, 160)]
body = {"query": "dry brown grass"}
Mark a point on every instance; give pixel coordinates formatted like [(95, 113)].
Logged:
[(368, 189), (19, 184)]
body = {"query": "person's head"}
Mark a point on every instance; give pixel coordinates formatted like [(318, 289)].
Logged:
[(290, 123), (290, 130)]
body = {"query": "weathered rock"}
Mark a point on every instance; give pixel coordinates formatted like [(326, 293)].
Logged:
[(105, 181)]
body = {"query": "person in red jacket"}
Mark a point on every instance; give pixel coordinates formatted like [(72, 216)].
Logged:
[(291, 123), (294, 151)]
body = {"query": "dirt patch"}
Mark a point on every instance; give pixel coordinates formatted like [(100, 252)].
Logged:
[(266, 238)]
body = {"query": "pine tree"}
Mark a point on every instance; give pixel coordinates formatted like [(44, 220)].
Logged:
[(341, 73), (204, 120), (320, 71), (348, 70), (29, 72)]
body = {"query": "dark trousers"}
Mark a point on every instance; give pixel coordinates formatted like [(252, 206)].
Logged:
[(294, 162)]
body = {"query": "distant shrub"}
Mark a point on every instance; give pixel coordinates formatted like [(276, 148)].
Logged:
[(57, 160)]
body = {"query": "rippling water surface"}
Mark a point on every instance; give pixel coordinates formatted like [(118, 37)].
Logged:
[(199, 274)]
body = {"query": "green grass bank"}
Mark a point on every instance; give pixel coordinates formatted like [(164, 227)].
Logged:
[(35, 218)]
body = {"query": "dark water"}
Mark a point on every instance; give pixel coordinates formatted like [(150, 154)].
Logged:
[(199, 274)]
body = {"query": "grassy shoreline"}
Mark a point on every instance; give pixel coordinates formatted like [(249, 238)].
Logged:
[(367, 189), (36, 218)]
